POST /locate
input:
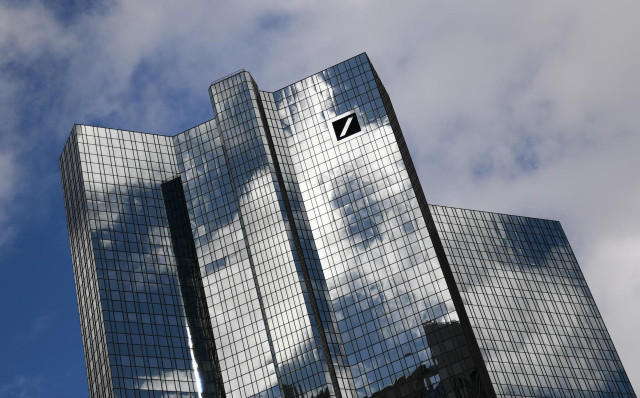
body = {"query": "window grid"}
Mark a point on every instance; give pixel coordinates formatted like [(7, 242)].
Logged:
[(537, 324)]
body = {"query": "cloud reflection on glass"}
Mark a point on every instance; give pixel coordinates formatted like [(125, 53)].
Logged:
[(260, 254)]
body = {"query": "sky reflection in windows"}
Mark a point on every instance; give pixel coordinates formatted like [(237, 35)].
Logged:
[(255, 255)]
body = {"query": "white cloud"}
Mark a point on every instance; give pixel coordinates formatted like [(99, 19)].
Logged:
[(8, 174), (23, 387), (39, 325)]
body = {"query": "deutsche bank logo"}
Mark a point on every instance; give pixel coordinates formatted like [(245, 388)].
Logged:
[(344, 126)]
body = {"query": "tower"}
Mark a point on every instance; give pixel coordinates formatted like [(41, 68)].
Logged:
[(285, 248)]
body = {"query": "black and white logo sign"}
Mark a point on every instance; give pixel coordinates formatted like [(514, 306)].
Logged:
[(345, 126)]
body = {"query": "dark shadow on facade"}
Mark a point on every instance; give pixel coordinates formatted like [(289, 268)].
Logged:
[(192, 289)]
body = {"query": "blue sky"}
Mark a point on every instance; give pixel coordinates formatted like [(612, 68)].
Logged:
[(527, 108)]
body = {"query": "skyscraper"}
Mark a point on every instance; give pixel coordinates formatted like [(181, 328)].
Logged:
[(285, 248)]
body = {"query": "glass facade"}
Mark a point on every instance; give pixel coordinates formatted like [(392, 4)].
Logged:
[(532, 313), (135, 326), (285, 249)]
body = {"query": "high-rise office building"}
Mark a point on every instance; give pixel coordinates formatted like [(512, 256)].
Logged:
[(285, 248)]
